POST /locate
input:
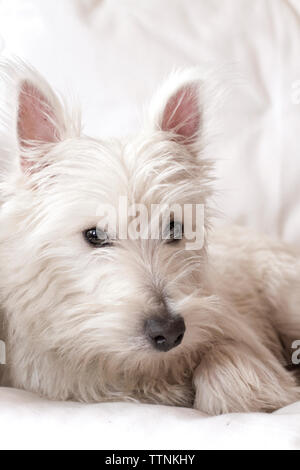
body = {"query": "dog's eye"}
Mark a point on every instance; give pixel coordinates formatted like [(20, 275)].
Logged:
[(174, 232), (97, 238)]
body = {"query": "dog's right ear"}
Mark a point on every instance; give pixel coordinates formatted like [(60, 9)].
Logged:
[(40, 118)]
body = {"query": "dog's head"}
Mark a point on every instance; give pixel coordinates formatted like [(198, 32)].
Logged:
[(98, 255)]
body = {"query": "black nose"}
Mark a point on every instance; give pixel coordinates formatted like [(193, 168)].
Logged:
[(165, 333)]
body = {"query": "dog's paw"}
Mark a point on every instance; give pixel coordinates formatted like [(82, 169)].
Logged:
[(232, 379)]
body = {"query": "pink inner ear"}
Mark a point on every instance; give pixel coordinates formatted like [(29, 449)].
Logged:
[(35, 120), (182, 113)]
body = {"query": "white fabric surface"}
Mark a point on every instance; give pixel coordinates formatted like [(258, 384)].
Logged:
[(29, 422), (112, 54)]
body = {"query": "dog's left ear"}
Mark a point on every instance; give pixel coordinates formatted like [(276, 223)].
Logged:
[(176, 108)]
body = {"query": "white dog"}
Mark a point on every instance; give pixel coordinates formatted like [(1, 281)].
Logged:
[(92, 317)]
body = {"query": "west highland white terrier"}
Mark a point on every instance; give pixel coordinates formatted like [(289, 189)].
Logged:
[(93, 316)]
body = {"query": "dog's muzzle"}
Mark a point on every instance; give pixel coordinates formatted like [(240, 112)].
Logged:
[(165, 333)]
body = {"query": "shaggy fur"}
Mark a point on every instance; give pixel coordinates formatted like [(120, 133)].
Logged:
[(73, 316)]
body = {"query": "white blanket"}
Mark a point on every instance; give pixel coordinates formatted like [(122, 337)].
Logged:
[(29, 422), (112, 54)]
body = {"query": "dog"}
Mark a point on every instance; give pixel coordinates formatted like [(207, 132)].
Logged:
[(93, 317)]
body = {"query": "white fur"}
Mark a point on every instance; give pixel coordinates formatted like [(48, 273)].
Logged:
[(74, 315)]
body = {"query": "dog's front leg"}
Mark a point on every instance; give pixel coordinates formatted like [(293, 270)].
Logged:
[(233, 377)]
